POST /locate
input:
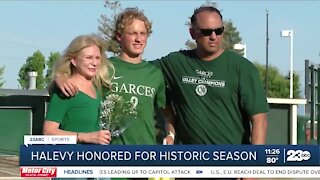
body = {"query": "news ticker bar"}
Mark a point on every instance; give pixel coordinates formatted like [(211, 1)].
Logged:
[(176, 172), (176, 155)]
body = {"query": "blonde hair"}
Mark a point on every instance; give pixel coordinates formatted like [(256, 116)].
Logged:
[(126, 18), (63, 66)]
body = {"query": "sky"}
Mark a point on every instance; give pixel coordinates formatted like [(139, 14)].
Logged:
[(49, 26)]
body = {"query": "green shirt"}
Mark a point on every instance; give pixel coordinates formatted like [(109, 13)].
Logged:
[(213, 99), (143, 84), (77, 114)]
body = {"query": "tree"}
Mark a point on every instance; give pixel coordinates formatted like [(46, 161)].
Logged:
[(107, 25), (36, 62), (278, 84), (1, 76), (54, 56), (231, 36)]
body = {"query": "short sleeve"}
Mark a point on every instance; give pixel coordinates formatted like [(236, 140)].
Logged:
[(160, 98), (57, 108), (252, 95)]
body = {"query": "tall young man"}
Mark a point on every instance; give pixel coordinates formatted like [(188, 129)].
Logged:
[(136, 80)]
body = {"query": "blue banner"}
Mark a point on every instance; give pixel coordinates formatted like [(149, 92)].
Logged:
[(171, 155)]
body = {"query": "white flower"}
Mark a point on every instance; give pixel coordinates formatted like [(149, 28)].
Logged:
[(116, 114)]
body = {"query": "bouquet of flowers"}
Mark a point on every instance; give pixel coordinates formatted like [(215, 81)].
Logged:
[(116, 114)]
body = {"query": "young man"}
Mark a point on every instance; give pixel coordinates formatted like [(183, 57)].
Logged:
[(136, 80)]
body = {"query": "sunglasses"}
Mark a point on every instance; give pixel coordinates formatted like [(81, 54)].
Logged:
[(208, 32)]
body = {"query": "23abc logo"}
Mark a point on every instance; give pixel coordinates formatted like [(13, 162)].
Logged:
[(298, 155)]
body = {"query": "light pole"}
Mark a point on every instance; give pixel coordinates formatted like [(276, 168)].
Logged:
[(267, 53), (289, 33), (241, 46)]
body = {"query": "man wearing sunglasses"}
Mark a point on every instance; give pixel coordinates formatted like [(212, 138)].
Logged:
[(215, 93)]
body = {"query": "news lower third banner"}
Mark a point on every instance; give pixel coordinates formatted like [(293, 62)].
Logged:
[(174, 155), (55, 156)]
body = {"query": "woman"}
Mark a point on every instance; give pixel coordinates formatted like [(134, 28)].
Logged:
[(83, 61)]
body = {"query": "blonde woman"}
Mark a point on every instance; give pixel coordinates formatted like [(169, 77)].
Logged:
[(85, 62)]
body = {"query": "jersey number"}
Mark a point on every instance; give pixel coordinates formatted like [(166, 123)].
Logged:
[(134, 100)]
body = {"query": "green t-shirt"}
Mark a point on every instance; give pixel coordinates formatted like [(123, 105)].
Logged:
[(213, 99), (77, 114), (144, 85)]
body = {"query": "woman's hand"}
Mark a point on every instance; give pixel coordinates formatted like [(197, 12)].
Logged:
[(98, 137)]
